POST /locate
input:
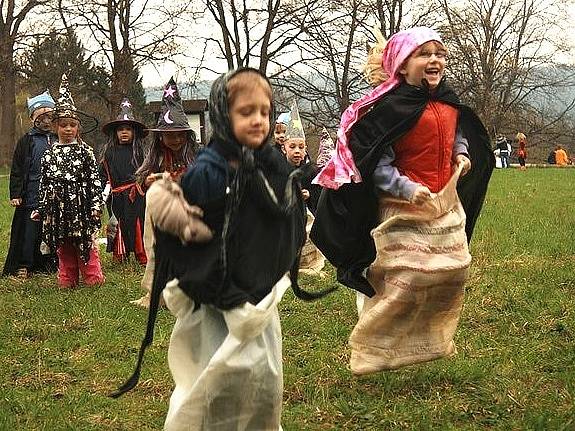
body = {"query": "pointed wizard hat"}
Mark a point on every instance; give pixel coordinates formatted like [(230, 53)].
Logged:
[(326, 148), (125, 116), (65, 108), (294, 127), (172, 118)]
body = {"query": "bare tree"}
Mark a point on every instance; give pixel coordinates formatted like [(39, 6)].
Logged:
[(254, 34), (505, 61), (126, 34), (12, 16)]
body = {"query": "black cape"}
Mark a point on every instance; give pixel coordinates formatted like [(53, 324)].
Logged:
[(259, 230), (345, 217)]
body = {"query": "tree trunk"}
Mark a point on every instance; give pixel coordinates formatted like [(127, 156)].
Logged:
[(7, 100)]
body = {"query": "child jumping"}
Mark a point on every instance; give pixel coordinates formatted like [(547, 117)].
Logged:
[(120, 158), (24, 256), (394, 220), (225, 349), (70, 197)]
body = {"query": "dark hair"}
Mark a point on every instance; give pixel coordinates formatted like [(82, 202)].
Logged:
[(153, 157), (137, 144)]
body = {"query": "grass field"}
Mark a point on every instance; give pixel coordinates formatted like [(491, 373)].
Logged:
[(61, 352)]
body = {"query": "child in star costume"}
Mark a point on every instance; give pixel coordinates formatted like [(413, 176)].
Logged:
[(172, 150), (70, 197), (120, 158), (225, 349), (395, 218), (24, 256)]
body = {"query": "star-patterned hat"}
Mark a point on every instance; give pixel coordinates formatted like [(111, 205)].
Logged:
[(326, 148), (126, 116), (172, 118), (294, 127), (65, 108)]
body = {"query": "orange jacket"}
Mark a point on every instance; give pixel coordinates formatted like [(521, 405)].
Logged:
[(561, 158), (424, 153)]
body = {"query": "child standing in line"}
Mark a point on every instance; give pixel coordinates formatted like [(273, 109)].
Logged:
[(173, 145), (225, 349), (70, 197), (400, 152), (120, 158), (172, 150), (24, 256), (280, 130)]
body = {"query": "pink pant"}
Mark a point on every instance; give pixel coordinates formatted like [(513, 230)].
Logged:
[(71, 265)]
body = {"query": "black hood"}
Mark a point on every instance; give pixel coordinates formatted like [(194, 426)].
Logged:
[(219, 111)]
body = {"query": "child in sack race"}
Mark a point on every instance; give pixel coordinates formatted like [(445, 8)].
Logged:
[(395, 217), (225, 348)]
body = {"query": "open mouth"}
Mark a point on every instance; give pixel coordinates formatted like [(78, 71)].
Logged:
[(433, 72)]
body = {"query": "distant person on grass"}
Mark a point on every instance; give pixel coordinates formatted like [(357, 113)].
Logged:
[(522, 150), (24, 255), (561, 158), (225, 351), (402, 195), (70, 198)]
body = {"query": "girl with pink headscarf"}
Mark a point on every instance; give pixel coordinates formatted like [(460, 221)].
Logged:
[(395, 218)]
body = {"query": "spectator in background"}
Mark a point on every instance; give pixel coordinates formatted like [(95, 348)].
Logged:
[(504, 147), (561, 158)]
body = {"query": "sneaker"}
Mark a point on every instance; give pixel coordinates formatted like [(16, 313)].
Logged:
[(22, 273)]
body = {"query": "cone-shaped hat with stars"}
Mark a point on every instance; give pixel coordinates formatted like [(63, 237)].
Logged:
[(65, 108), (125, 116), (326, 148), (172, 118), (294, 128)]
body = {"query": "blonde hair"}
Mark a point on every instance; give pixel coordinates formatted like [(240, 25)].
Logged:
[(247, 81), (373, 71)]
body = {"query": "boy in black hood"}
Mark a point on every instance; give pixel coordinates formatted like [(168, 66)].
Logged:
[(225, 349)]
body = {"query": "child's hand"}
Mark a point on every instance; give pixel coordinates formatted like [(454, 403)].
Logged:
[(35, 215), (16, 202), (149, 180), (420, 195), (461, 159), (305, 194)]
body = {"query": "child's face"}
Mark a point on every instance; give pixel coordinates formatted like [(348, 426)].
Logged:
[(249, 115), (295, 151), (174, 140), (280, 133), (67, 129), (427, 62), (42, 119), (125, 134)]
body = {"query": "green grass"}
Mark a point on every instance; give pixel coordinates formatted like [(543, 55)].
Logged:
[(61, 352)]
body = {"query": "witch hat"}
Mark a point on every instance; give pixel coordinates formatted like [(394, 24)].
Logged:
[(172, 118), (326, 148), (65, 108), (294, 128), (125, 116)]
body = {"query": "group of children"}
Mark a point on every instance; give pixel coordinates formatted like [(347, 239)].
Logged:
[(400, 196)]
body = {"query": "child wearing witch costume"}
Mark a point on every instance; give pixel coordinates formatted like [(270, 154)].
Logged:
[(225, 349), (172, 150), (70, 197), (173, 145), (24, 256), (120, 157), (393, 218)]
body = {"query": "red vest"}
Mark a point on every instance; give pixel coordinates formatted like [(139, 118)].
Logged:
[(424, 153)]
